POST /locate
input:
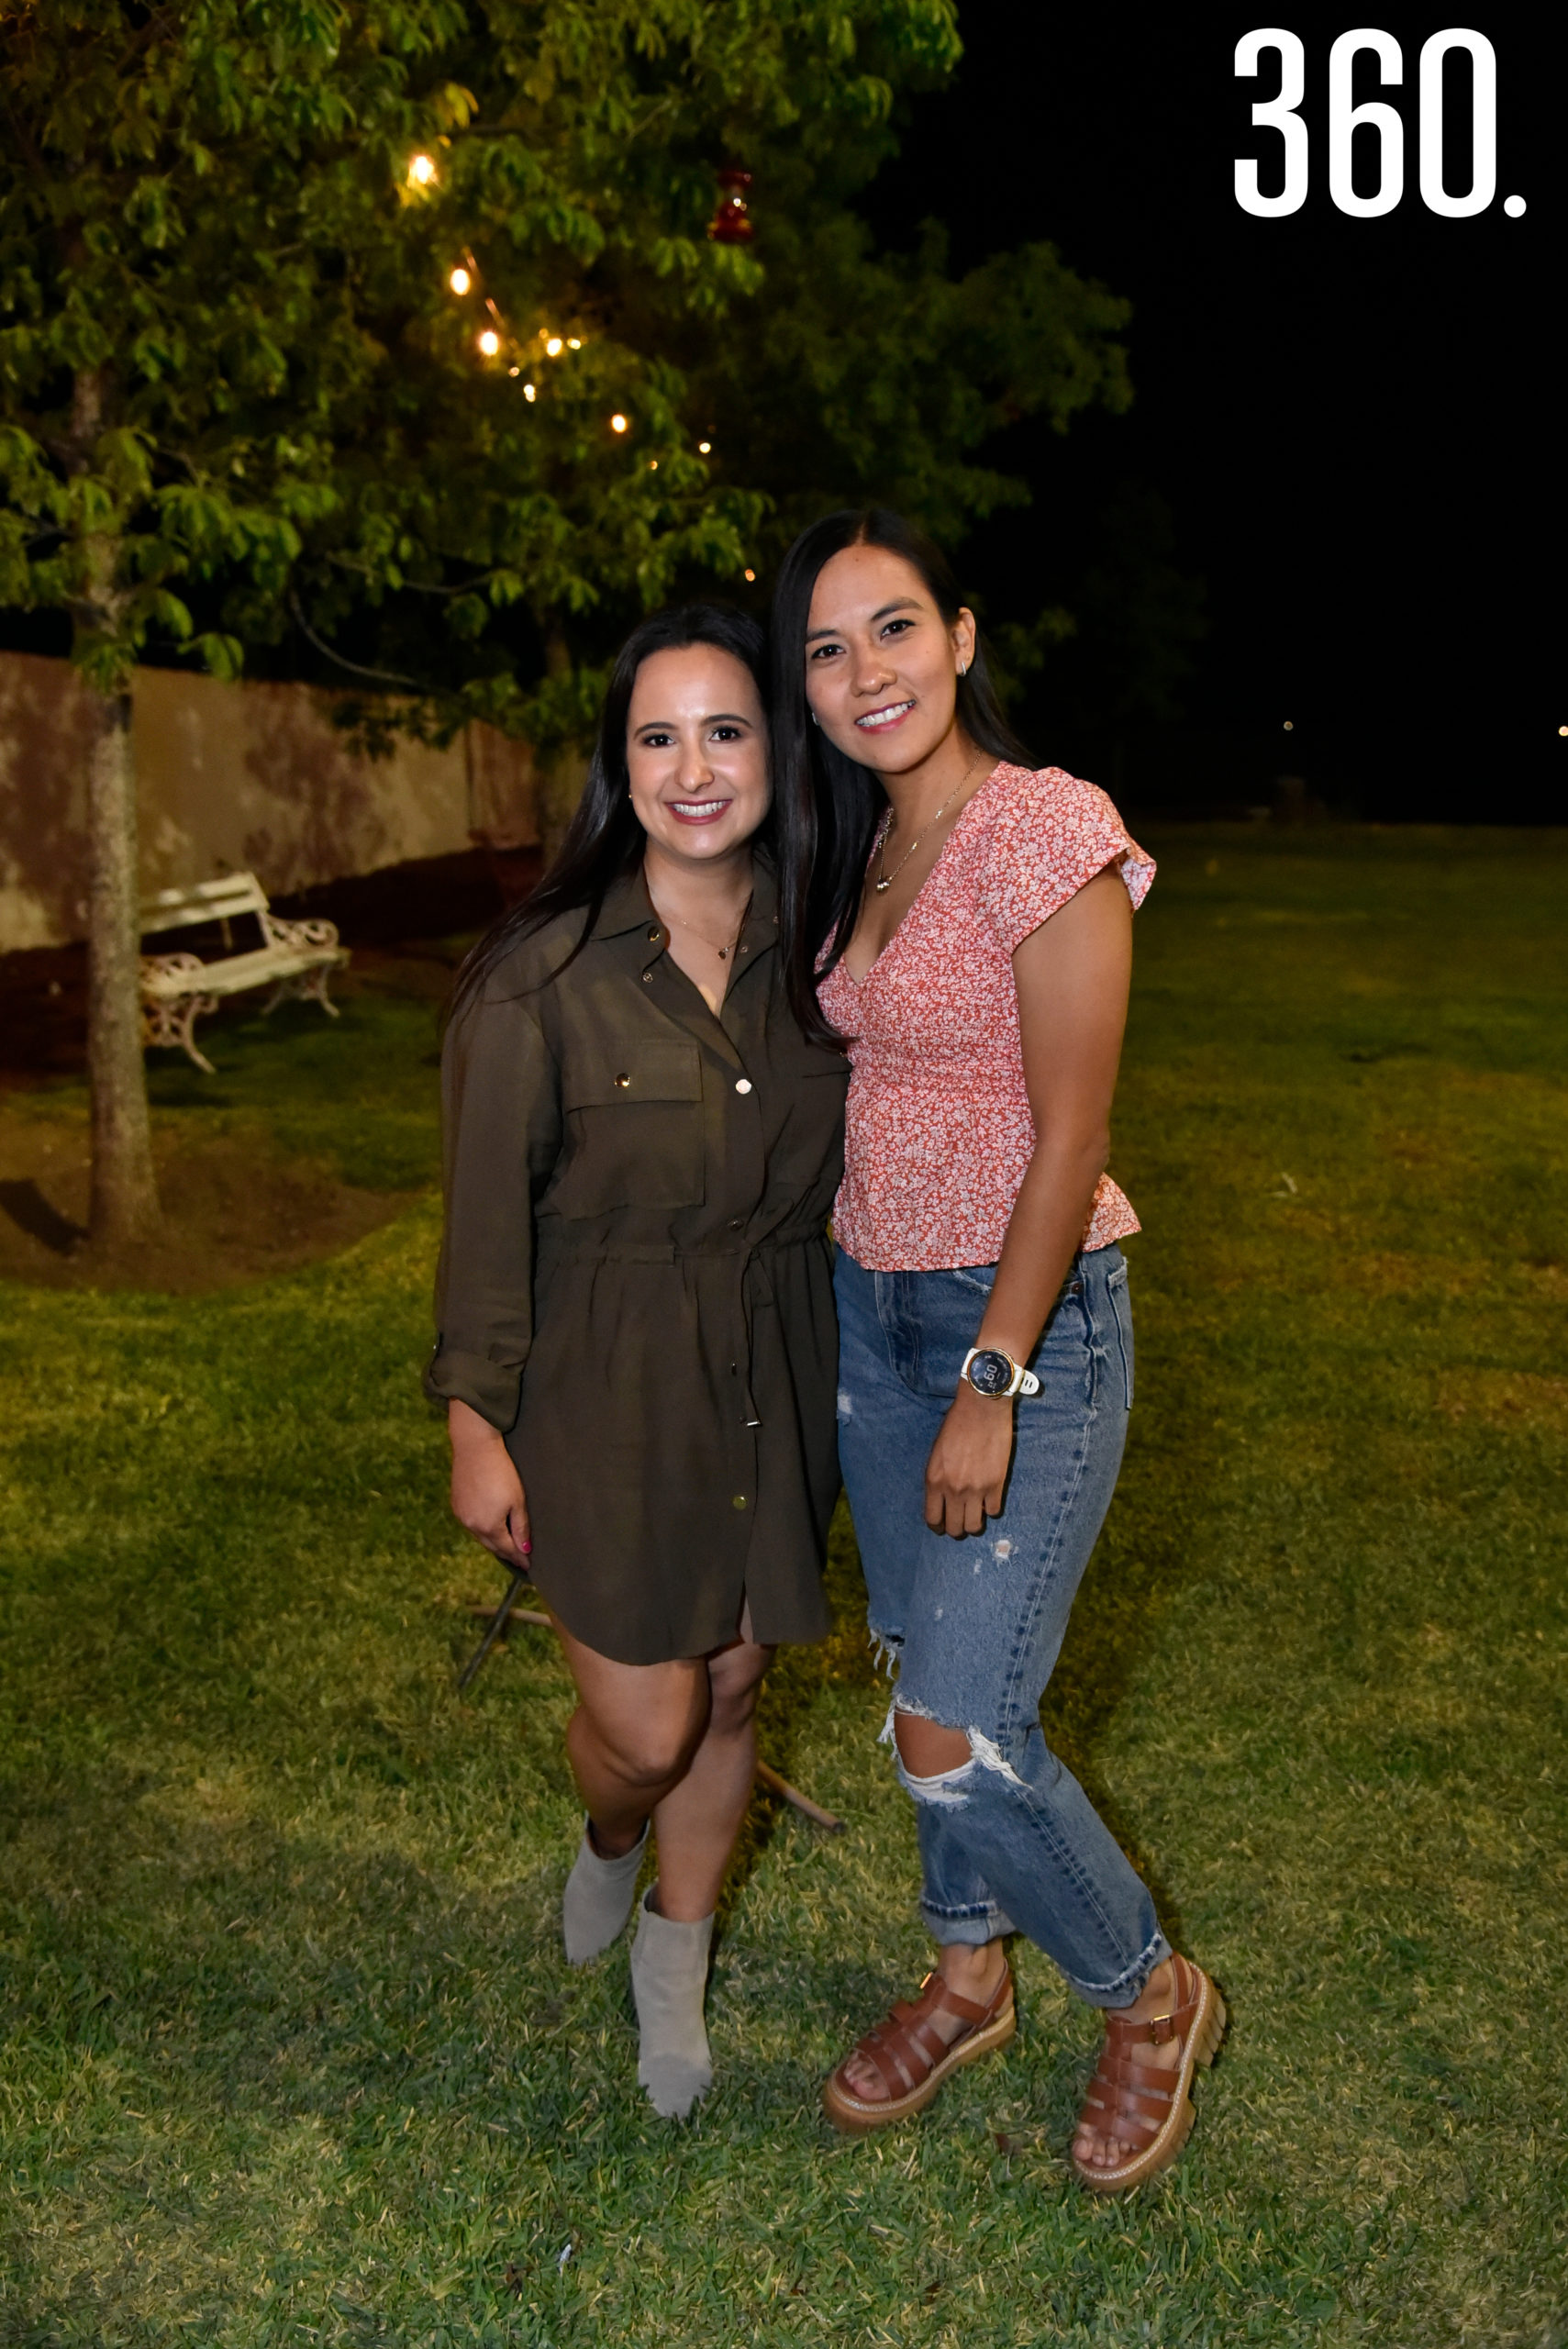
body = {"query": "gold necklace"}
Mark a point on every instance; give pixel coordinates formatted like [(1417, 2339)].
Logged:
[(723, 953), (885, 879)]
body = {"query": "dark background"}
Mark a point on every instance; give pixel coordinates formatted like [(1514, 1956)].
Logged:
[(1346, 420)]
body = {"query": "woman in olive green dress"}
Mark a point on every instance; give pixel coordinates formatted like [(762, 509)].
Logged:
[(637, 1348)]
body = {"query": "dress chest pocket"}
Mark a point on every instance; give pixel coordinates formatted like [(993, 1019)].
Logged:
[(634, 1126)]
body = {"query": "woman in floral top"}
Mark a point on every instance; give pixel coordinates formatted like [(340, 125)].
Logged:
[(974, 922)]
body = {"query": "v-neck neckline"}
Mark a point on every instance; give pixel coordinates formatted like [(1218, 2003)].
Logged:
[(906, 918)]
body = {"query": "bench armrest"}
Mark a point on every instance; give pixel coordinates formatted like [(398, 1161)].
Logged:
[(278, 933)]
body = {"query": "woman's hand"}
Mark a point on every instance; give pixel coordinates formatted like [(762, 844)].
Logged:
[(968, 1467), (487, 1492)]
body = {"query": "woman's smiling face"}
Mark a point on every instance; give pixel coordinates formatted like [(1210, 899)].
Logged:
[(697, 751), (882, 663)]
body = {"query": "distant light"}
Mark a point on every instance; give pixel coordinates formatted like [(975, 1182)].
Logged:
[(1290, 725), (527, 391), (421, 171), (555, 346), (490, 342), (514, 371), (460, 281), (1563, 729), (750, 576), (1514, 205), (573, 342), (617, 423), (652, 464), (705, 448)]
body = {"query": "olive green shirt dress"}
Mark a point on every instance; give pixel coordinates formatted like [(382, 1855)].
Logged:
[(635, 1283)]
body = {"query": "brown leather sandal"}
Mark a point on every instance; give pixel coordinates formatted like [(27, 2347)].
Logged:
[(1145, 2105), (912, 2059)]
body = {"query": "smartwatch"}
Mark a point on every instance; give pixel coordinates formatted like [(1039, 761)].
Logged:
[(996, 1374)]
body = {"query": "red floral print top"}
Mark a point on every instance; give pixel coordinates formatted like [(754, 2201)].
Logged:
[(940, 1135)]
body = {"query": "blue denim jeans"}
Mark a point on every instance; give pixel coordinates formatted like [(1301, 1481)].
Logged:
[(1008, 1840)]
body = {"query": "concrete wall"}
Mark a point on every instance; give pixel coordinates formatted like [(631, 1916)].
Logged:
[(249, 777)]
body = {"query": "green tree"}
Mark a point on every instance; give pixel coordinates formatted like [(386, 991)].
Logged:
[(394, 325)]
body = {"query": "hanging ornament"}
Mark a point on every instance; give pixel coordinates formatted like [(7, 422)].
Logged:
[(729, 225)]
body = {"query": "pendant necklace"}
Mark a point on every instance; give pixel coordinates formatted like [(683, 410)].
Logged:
[(885, 879)]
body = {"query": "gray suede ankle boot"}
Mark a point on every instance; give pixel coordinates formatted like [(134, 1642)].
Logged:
[(669, 1978), (598, 1898)]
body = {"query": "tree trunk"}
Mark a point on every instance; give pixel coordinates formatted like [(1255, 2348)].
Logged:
[(125, 1190), (560, 776)]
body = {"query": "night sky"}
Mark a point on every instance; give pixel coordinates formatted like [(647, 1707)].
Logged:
[(1347, 419)]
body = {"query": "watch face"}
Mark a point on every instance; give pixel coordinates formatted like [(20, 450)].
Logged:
[(990, 1372)]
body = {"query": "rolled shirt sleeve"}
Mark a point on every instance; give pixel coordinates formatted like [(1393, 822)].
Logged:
[(501, 1140), (1050, 835)]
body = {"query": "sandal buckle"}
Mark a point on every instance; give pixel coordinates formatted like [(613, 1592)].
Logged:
[(1157, 2025)]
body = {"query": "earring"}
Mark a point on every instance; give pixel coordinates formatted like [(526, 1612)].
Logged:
[(964, 668), (814, 720)]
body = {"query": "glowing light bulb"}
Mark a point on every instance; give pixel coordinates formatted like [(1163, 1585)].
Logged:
[(460, 281), (1290, 725), (617, 423), (514, 371), (749, 577), (652, 464), (553, 346), (573, 342), (704, 448), (421, 171), (1563, 729), (490, 342), (529, 391)]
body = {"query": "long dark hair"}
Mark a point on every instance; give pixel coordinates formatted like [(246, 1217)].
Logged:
[(841, 801), (604, 842)]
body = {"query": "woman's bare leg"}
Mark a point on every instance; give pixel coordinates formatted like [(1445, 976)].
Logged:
[(632, 1736), (674, 1741), (698, 1821)]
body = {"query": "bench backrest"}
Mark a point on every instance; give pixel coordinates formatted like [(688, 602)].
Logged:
[(224, 900)]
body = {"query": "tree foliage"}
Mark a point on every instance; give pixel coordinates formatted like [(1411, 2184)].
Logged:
[(239, 398)]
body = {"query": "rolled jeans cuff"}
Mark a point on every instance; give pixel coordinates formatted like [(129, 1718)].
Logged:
[(968, 1928), (1129, 1986)]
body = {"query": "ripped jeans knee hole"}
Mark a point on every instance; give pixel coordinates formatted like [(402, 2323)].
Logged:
[(951, 1787)]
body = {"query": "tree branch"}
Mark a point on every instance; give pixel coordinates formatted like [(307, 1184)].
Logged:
[(355, 668)]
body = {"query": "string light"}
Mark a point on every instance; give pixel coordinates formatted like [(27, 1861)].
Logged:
[(652, 464), (489, 342), (617, 423), (527, 391), (750, 578), (1563, 729), (704, 448), (1290, 725), (573, 342), (421, 171), (460, 281), (553, 346), (514, 371)]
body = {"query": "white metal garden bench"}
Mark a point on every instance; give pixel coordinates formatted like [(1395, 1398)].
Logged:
[(295, 957)]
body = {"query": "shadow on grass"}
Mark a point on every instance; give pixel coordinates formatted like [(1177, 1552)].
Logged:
[(31, 1212)]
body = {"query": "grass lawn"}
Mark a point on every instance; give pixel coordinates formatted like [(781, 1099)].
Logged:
[(288, 2051)]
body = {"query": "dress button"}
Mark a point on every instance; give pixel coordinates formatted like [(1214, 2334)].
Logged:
[(653, 937), (742, 1085), (739, 1500), (737, 1222), (648, 978), (623, 1081)]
